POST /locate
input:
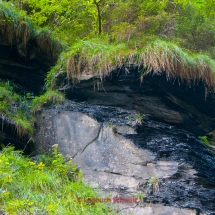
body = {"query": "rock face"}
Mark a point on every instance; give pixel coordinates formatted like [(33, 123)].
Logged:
[(120, 152), (173, 101), (29, 72), (8, 135)]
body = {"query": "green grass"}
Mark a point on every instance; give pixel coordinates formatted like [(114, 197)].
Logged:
[(19, 109), (17, 29), (160, 56), (15, 108), (51, 97), (98, 57), (23, 126), (37, 187), (95, 56)]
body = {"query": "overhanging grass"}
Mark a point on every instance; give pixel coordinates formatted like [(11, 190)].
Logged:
[(17, 29), (160, 56), (16, 109), (98, 57), (94, 56)]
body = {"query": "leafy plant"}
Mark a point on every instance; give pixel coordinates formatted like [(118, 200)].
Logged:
[(138, 118), (140, 196), (204, 140)]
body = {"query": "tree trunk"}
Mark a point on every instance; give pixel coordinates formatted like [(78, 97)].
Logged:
[(99, 16)]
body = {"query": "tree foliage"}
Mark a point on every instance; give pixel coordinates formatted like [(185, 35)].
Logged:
[(189, 22)]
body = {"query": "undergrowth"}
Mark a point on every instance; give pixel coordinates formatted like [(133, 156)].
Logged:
[(45, 185), (15, 108), (18, 107)]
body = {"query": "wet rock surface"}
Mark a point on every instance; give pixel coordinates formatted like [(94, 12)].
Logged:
[(175, 102), (119, 153)]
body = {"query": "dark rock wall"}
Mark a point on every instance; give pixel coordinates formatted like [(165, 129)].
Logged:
[(185, 105), (29, 72)]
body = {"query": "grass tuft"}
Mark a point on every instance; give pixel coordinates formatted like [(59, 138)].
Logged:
[(23, 126), (160, 56), (16, 109), (95, 56), (51, 97)]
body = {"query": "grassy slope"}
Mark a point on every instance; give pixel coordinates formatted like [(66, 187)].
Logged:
[(45, 186)]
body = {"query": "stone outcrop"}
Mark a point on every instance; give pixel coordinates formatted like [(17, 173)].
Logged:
[(120, 153), (172, 101)]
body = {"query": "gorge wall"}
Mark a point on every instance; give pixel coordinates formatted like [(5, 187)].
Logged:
[(118, 149)]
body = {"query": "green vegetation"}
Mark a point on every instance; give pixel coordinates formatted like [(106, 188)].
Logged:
[(139, 117), (154, 182), (49, 185), (140, 196), (99, 58), (204, 140), (49, 98), (16, 108), (17, 29), (172, 36), (96, 37)]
